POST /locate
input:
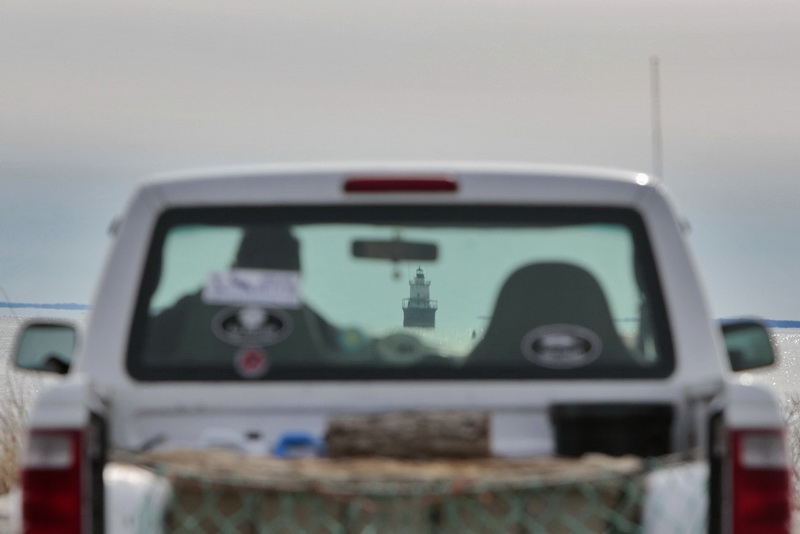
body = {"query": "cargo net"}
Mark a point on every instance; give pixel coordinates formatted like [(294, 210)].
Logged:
[(224, 492)]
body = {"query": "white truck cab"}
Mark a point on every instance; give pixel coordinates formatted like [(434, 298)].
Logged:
[(246, 309)]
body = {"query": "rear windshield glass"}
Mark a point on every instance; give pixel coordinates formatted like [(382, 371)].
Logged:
[(399, 292)]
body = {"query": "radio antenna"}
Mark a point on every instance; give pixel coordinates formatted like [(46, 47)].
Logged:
[(655, 117)]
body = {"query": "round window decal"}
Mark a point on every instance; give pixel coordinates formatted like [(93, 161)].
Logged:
[(561, 346), (251, 363)]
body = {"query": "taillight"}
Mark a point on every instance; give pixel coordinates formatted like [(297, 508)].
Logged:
[(53, 482), (400, 184), (761, 484)]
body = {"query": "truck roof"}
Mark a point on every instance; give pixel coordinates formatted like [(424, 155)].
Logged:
[(324, 183)]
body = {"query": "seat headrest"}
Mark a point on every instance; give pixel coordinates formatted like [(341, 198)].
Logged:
[(542, 295)]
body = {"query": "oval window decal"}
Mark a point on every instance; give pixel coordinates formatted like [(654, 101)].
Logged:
[(561, 346), (251, 327)]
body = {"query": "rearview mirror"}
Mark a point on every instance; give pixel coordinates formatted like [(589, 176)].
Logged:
[(394, 250), (45, 346), (749, 345)]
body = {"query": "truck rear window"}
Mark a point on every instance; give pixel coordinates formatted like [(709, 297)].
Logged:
[(397, 293)]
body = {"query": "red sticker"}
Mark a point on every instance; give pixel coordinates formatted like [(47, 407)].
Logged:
[(251, 363)]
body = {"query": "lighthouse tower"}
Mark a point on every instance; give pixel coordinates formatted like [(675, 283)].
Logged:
[(419, 310)]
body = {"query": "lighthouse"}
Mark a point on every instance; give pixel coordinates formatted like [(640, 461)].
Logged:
[(419, 310)]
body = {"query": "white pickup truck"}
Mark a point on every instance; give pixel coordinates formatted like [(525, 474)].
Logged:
[(556, 310)]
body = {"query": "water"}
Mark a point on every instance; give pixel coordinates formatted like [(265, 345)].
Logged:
[(784, 376)]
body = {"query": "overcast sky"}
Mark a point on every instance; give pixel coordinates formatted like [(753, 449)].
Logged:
[(96, 95)]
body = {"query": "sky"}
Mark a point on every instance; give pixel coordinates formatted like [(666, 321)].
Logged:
[(97, 96)]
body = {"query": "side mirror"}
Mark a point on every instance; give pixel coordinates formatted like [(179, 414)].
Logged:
[(749, 345), (45, 346)]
